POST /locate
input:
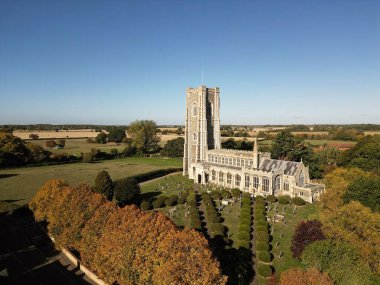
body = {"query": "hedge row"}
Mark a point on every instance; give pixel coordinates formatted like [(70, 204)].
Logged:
[(215, 228), (154, 174), (245, 221), (262, 234)]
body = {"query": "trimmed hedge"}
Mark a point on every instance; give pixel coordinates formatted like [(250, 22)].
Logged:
[(264, 270), (260, 245), (261, 228), (298, 201), (244, 236), (181, 201), (283, 200), (246, 201), (245, 221), (271, 199), (244, 244), (259, 199), (265, 256), (262, 236), (244, 228), (261, 223), (260, 216)]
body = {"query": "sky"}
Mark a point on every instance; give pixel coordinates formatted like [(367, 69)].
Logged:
[(114, 62)]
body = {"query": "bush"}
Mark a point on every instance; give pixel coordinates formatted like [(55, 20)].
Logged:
[(195, 224), (298, 201), (170, 201), (244, 228), (244, 236), (283, 200), (261, 223), (126, 190), (145, 205), (264, 270), (271, 199), (265, 256), (235, 193), (245, 221), (157, 204), (260, 216), (262, 236), (262, 228), (247, 195), (260, 245), (244, 244), (259, 199), (246, 201), (217, 227)]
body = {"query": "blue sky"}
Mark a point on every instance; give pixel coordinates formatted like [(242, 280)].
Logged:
[(112, 62)]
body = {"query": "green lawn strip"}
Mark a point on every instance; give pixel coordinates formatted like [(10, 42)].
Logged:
[(230, 214)]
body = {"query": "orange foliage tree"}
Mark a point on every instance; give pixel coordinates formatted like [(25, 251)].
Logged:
[(127, 245), (311, 276)]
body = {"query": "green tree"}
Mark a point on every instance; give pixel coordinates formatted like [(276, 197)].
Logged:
[(14, 150), (174, 148), (104, 185), (143, 135), (126, 190), (101, 138), (341, 261), (116, 135), (366, 190)]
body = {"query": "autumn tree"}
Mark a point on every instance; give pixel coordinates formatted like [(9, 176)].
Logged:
[(104, 185), (143, 135), (311, 276), (124, 245), (305, 233), (34, 136)]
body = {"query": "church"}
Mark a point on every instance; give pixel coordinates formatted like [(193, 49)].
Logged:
[(250, 171)]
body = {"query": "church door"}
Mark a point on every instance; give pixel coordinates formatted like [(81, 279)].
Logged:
[(199, 179)]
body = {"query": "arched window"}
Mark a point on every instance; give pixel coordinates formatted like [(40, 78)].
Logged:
[(237, 180), (265, 184), (247, 181), (194, 136), (229, 178), (301, 179), (221, 178), (213, 175), (277, 182), (286, 186), (194, 111)]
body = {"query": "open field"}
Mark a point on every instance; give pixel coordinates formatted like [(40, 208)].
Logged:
[(286, 261), (332, 143), (371, 133), (20, 184), (76, 146), (85, 133)]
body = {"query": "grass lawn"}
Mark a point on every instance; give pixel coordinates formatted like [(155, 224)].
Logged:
[(167, 186), (335, 143), (20, 184), (230, 215), (76, 146), (307, 212)]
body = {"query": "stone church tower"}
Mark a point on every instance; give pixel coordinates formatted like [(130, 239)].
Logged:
[(202, 125)]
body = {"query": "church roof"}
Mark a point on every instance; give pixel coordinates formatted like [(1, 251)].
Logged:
[(289, 167)]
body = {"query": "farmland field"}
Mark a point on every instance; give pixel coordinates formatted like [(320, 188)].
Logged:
[(85, 133), (332, 143), (20, 184)]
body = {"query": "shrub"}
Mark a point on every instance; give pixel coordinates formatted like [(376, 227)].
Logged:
[(260, 216), (216, 196), (261, 223), (261, 228), (244, 228), (259, 199), (126, 190), (244, 236), (157, 204), (217, 227), (195, 224), (298, 201), (283, 200), (264, 256), (246, 201), (145, 205), (261, 245), (235, 193), (271, 199), (305, 233), (247, 195), (244, 244), (245, 221), (265, 270), (262, 236)]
